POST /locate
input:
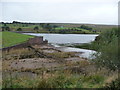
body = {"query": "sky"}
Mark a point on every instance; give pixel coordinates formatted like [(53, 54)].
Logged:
[(60, 11)]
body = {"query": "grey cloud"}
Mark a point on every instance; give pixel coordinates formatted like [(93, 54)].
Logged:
[(101, 13)]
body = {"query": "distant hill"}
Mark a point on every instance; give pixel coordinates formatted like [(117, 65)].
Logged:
[(55, 27), (95, 26)]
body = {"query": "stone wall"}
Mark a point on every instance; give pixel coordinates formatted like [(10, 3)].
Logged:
[(36, 40), (22, 45)]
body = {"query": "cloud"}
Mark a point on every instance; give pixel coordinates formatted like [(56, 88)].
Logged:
[(63, 1), (77, 11)]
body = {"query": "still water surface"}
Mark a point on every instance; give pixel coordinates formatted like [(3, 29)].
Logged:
[(56, 39), (66, 38)]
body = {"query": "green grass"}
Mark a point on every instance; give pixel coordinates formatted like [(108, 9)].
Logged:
[(66, 29), (64, 79), (10, 38), (90, 46), (58, 80)]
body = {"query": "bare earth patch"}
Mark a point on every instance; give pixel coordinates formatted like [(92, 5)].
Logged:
[(34, 63)]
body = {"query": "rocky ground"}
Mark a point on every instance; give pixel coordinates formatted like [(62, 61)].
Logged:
[(15, 61)]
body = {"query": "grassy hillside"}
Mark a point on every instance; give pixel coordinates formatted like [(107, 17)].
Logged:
[(97, 27), (10, 38), (62, 28)]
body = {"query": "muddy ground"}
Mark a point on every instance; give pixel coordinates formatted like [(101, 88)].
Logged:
[(58, 60)]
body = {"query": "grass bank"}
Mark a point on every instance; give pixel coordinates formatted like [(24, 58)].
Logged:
[(65, 79), (11, 38), (90, 46)]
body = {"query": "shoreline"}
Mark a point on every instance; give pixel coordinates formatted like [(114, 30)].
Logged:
[(59, 33)]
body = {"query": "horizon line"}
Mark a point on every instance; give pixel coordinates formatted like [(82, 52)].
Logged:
[(56, 22)]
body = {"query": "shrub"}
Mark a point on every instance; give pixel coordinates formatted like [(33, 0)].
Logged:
[(108, 50), (36, 28), (19, 29)]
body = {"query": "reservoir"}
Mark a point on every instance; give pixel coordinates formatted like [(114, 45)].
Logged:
[(56, 39), (66, 38)]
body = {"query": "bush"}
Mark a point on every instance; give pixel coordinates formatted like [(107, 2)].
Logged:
[(36, 28), (19, 29), (108, 50), (85, 27), (5, 28)]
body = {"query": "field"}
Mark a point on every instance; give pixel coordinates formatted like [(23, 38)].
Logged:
[(97, 27), (62, 28), (11, 38)]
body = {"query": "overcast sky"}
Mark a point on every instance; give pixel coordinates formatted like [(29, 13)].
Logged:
[(60, 11)]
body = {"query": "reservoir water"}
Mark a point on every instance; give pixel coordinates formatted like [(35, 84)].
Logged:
[(66, 38), (56, 39)]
